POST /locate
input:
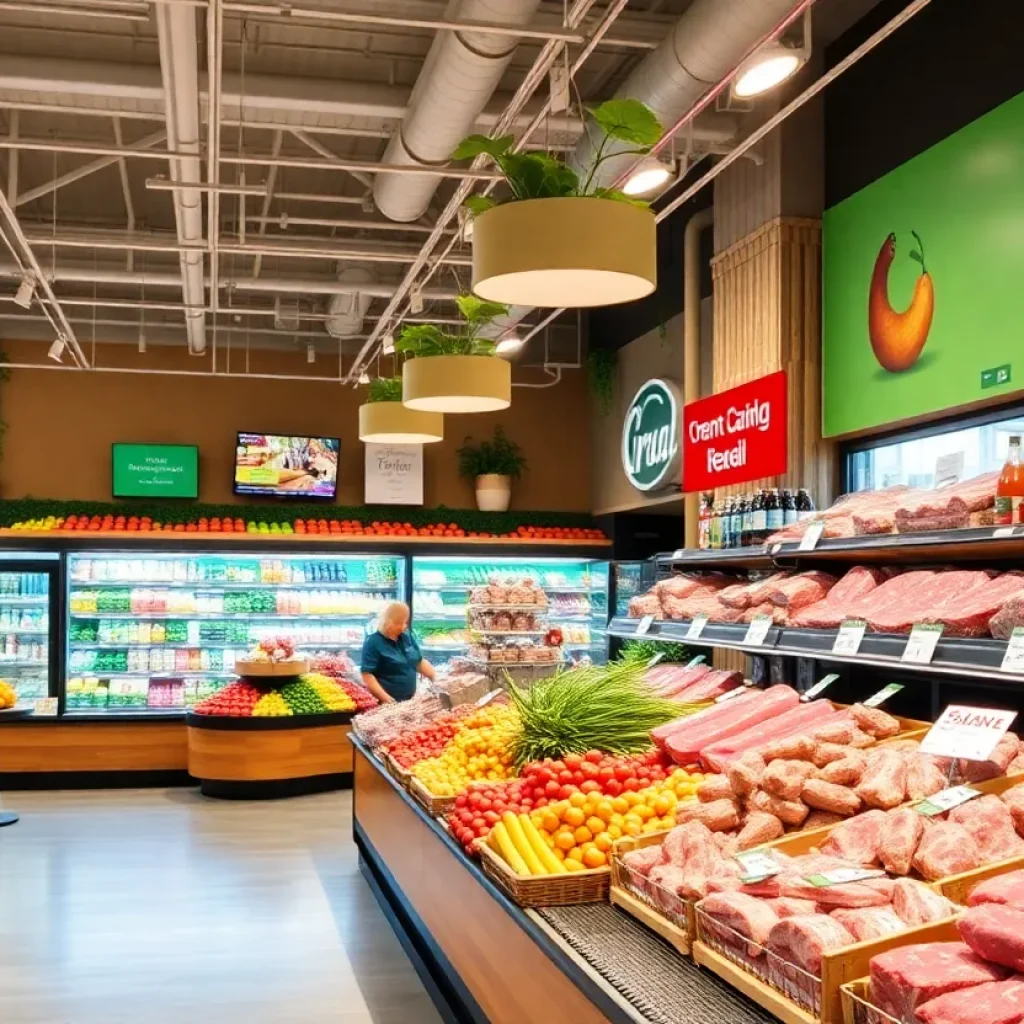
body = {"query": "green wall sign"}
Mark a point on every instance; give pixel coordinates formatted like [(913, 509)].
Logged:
[(155, 471), (651, 456), (922, 278)]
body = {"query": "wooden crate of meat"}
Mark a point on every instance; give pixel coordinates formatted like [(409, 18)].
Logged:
[(785, 989)]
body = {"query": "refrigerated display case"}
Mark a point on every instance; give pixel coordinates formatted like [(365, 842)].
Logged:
[(155, 633), (501, 611), (28, 622)]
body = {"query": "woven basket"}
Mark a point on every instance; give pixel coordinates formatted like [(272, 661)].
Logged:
[(589, 886), (396, 771), (435, 806)]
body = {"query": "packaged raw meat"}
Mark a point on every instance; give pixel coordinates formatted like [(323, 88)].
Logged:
[(679, 586), (719, 815), (755, 611), (715, 787), (1014, 800), (971, 614), (924, 777), (795, 747), (645, 604), (857, 840), (789, 812), (995, 1002), (788, 906), (803, 940), (739, 915), (869, 922), (1008, 618), (1007, 889), (896, 593), (884, 783), (874, 721), (898, 838), (861, 740), (758, 828), (946, 849), (826, 796), (641, 861), (847, 771), (998, 761), (708, 686), (996, 933), (837, 730), (988, 820), (742, 596), (665, 884), (802, 590), (948, 589), (823, 753), (706, 718), (786, 778), (744, 774), (822, 819), (917, 903), (903, 979)]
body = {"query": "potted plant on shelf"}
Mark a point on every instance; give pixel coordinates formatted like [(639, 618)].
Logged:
[(383, 419), (558, 238), (492, 465), (456, 371)]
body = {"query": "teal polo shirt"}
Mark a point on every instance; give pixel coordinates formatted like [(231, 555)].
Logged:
[(393, 662)]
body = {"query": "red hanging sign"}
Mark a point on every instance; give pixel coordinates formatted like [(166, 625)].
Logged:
[(736, 436)]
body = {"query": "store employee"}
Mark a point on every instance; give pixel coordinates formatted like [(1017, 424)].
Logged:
[(392, 657)]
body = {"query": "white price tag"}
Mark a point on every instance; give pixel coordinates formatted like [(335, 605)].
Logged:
[(488, 697), (1004, 531), (946, 800), (970, 733), (922, 643), (842, 876), (697, 624), (757, 631), (809, 541), (694, 662), (644, 625), (679, 554), (877, 699), (948, 469), (45, 707), (848, 639), (756, 865), (820, 686), (654, 661), (729, 694), (1013, 659), (776, 548)]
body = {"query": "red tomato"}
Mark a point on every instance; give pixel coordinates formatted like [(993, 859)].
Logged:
[(632, 785), (558, 767), (565, 776), (613, 787), (623, 772), (484, 805), (589, 770), (492, 817), (551, 788), (605, 775), (594, 756), (590, 786), (564, 792), (542, 802), (479, 823), (572, 761), (577, 778)]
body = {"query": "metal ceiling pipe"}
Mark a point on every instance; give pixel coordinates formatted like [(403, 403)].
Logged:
[(176, 35), (459, 76)]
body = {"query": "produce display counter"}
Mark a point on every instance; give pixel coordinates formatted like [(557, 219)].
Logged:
[(484, 959)]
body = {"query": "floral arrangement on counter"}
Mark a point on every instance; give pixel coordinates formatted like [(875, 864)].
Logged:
[(276, 650)]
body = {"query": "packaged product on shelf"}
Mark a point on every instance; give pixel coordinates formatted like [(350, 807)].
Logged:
[(389, 721)]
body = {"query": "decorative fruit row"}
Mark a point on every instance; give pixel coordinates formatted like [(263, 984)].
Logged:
[(8, 698), (303, 527), (310, 694)]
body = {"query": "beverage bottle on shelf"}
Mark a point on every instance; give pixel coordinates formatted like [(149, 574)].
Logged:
[(789, 513), (804, 505), (745, 519), (757, 519), (704, 522), (1010, 487), (736, 531), (774, 517), (725, 529)]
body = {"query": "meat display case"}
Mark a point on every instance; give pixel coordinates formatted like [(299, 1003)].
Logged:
[(29, 588), (151, 632)]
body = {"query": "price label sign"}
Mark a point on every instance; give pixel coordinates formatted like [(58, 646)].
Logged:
[(970, 733), (488, 697), (820, 686), (644, 625), (809, 541), (45, 707), (694, 662), (842, 876), (922, 643), (850, 634), (697, 624), (948, 469), (1004, 531), (654, 661), (1013, 659), (729, 694), (757, 631), (776, 548), (877, 699), (946, 800), (679, 554), (756, 866)]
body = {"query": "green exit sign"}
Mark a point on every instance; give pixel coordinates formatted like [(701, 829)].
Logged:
[(996, 376), (155, 471)]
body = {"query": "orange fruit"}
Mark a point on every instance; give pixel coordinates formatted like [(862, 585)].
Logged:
[(604, 810), (550, 821), (573, 865), (619, 804), (594, 858), (661, 805), (603, 841), (564, 842), (632, 828), (575, 854), (559, 854), (644, 811), (595, 824), (578, 799), (575, 816), (614, 831), (583, 835)]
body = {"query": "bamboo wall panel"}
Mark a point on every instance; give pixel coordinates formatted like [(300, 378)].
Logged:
[(767, 291)]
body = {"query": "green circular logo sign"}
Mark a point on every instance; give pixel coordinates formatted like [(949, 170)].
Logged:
[(651, 456)]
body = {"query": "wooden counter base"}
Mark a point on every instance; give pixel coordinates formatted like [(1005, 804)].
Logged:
[(484, 959)]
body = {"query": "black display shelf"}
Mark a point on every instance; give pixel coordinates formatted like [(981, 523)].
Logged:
[(963, 657), (266, 723), (730, 558)]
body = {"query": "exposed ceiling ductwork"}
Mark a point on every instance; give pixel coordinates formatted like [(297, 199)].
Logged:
[(347, 312), (459, 76)]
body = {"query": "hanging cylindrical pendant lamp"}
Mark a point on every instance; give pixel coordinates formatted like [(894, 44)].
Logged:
[(457, 384), (393, 423)]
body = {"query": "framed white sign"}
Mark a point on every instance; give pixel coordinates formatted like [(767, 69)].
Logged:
[(394, 474)]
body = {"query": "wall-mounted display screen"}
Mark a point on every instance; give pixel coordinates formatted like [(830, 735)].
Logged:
[(155, 471), (272, 465)]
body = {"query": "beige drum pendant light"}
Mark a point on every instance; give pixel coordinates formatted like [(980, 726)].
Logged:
[(393, 423), (575, 252), (456, 384)]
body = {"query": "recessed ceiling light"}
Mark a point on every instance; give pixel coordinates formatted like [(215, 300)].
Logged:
[(766, 69), (650, 174), (511, 343)]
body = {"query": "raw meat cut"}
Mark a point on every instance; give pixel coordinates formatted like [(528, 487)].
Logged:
[(996, 933), (679, 586), (884, 783), (1016, 766), (947, 589), (1014, 800), (924, 777), (970, 614), (802, 590), (759, 594), (797, 747), (719, 815), (715, 787), (916, 903), (839, 730), (803, 940), (821, 819), (897, 594), (1007, 889), (641, 861), (857, 840), (744, 774), (742, 596), (903, 979), (709, 686), (786, 778), (705, 718), (869, 923), (823, 753), (857, 582), (758, 828), (826, 796), (1008, 618), (988, 820), (645, 604), (847, 771), (875, 722), (998, 761), (665, 884), (750, 917), (898, 838), (946, 849), (787, 906), (996, 1002), (789, 812), (786, 721), (828, 897)]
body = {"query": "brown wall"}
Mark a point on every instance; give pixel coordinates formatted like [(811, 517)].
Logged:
[(61, 425)]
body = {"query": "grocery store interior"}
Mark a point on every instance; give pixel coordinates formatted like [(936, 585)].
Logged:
[(511, 510)]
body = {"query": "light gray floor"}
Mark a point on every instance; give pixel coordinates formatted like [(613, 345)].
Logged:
[(163, 907)]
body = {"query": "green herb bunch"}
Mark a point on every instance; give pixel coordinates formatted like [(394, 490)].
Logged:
[(532, 175), (640, 652), (431, 340), (500, 455), (385, 389)]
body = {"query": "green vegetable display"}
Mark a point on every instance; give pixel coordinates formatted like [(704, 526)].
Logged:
[(640, 652)]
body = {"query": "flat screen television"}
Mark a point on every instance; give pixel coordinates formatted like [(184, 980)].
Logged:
[(276, 465), (154, 470)]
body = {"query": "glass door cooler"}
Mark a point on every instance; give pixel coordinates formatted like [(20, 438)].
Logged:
[(28, 623), (510, 611), (156, 633)]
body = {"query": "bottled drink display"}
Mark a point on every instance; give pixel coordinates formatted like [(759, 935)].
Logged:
[(1010, 488), (25, 634), (748, 520)]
